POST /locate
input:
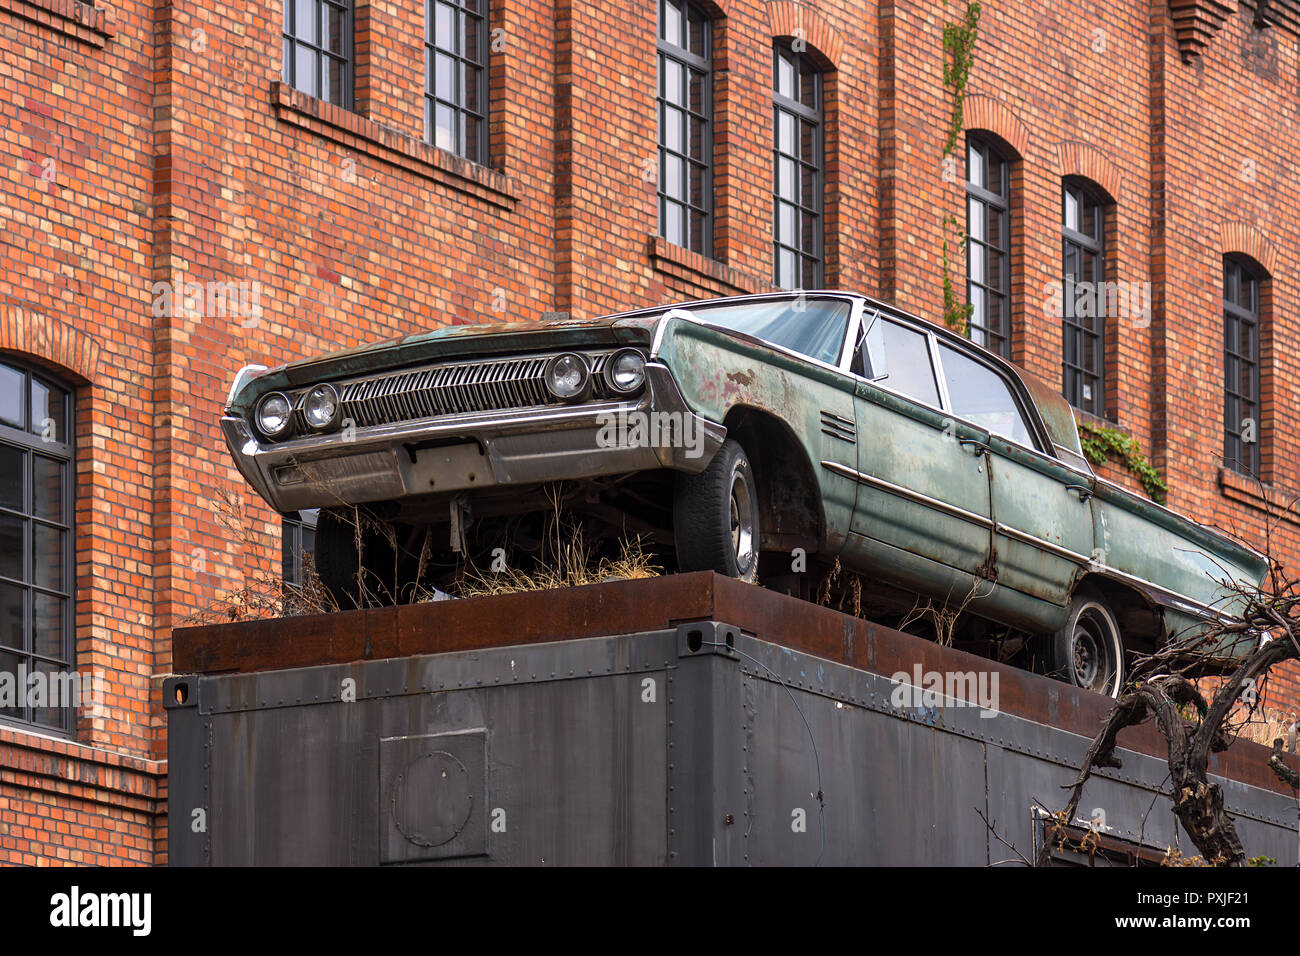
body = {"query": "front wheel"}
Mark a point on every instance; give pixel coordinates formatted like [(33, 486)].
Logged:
[(1089, 651), (715, 516)]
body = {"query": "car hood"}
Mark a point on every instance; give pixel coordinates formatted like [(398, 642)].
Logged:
[(451, 342)]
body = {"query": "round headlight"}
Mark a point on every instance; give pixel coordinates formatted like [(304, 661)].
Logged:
[(625, 371), (568, 377), (321, 407), (274, 415)]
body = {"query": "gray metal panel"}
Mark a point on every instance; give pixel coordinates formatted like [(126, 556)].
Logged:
[(188, 773), (574, 770), (686, 746)]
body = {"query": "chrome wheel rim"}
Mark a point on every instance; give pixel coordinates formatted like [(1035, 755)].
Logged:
[(1092, 653), (742, 521)]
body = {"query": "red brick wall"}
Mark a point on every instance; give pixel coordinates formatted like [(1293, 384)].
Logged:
[(177, 157)]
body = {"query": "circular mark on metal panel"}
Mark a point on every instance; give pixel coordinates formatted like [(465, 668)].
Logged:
[(432, 799)]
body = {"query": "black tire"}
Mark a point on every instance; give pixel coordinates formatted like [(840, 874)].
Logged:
[(337, 559), (715, 516), (1089, 651)]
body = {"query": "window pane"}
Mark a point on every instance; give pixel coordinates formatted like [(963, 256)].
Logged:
[(671, 27), (445, 135), (672, 129), (675, 177), (469, 38), (335, 28), (13, 468), (305, 20), (335, 79), (12, 397), (304, 76), (444, 76), (13, 543), (11, 614), (674, 223), (48, 622), (1071, 211), (699, 139), (695, 91), (699, 35), (53, 716), (982, 397), (974, 165), (48, 411), (977, 219), (785, 131), (9, 664), (785, 76), (444, 26), (907, 368), (47, 557)]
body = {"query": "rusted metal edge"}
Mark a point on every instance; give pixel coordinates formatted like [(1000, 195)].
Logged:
[(628, 607)]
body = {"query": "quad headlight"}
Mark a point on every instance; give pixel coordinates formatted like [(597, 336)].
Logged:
[(321, 408), (568, 377), (274, 415), (625, 371)]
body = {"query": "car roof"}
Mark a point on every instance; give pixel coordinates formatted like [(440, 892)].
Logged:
[(1055, 413)]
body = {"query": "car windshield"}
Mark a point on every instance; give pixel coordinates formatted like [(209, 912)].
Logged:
[(811, 327)]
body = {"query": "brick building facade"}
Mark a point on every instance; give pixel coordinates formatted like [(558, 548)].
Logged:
[(177, 203)]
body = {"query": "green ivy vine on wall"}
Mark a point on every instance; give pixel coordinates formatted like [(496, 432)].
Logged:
[(959, 55), (956, 310), (1100, 443)]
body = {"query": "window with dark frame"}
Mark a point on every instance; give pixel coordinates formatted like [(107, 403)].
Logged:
[(988, 245), (297, 539), (36, 547), (1083, 363), (1241, 387), (456, 44), (318, 49), (685, 103), (798, 170)]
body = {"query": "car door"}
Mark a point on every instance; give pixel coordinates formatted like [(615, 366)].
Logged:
[(1041, 508), (923, 496)]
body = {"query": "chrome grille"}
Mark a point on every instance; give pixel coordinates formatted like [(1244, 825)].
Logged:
[(482, 385)]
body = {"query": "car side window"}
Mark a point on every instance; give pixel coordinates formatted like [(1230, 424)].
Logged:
[(982, 397), (899, 358)]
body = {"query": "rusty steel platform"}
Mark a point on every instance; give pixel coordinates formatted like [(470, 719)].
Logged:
[(680, 719)]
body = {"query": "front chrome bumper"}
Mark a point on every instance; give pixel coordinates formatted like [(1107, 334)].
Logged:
[(455, 453)]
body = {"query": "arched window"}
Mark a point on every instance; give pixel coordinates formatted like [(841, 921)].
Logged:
[(798, 170), (1243, 281), (685, 126), (36, 480), (1084, 298), (988, 243)]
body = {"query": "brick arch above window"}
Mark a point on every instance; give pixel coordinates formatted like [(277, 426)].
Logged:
[(1247, 240), (1087, 162), (986, 114), (789, 19), (37, 336)]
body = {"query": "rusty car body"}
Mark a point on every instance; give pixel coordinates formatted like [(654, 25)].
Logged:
[(822, 425)]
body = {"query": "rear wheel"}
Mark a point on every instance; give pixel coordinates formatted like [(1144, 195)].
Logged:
[(1089, 651), (715, 516)]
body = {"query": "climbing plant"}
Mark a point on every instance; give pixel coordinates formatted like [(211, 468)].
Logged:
[(959, 55), (956, 310), (1100, 443)]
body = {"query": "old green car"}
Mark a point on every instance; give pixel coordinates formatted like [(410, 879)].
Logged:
[(760, 436)]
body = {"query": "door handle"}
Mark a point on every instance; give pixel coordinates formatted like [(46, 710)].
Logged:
[(1083, 491), (977, 447)]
